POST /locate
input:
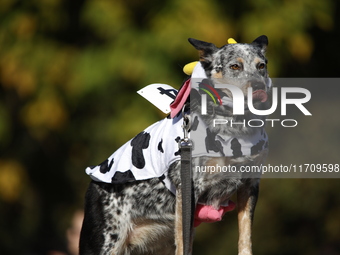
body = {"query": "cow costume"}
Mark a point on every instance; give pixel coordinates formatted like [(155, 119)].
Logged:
[(150, 153)]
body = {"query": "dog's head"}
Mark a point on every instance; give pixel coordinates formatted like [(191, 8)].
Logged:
[(242, 65)]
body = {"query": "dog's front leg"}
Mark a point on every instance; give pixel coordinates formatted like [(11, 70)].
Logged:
[(246, 200)]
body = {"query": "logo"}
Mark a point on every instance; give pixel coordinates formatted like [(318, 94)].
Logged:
[(238, 105)]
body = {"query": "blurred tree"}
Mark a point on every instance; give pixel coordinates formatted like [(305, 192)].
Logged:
[(68, 75)]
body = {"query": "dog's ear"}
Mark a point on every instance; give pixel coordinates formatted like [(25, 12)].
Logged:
[(262, 42), (205, 49)]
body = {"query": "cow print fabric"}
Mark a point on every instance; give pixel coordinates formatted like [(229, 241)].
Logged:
[(150, 153), (140, 142)]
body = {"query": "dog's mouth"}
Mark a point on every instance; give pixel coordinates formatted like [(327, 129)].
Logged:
[(260, 95)]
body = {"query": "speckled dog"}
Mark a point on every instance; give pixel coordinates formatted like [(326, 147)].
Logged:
[(129, 216)]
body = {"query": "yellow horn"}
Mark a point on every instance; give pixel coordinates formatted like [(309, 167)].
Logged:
[(189, 68), (231, 41)]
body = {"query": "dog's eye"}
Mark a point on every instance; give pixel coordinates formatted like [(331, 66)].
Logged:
[(235, 67), (261, 66)]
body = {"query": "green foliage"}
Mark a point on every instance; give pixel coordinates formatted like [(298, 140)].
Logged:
[(69, 72)]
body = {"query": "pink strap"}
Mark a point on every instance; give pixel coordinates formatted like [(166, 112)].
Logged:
[(177, 105)]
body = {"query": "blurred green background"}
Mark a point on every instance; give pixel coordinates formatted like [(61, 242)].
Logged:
[(69, 72)]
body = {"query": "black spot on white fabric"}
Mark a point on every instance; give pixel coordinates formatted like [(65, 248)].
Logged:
[(212, 144), (257, 148), (123, 177), (178, 153), (160, 146), (194, 124), (138, 143), (172, 93), (236, 148), (105, 166), (177, 139)]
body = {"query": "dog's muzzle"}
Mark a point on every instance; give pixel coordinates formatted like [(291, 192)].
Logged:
[(259, 91)]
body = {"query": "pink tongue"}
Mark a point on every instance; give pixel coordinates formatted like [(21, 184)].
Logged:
[(260, 95)]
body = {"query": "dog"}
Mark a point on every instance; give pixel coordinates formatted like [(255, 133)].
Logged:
[(127, 215)]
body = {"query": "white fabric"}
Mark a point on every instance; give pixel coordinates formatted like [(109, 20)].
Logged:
[(157, 161), (198, 72), (160, 95)]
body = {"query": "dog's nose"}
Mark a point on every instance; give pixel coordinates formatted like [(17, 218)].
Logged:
[(257, 85)]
